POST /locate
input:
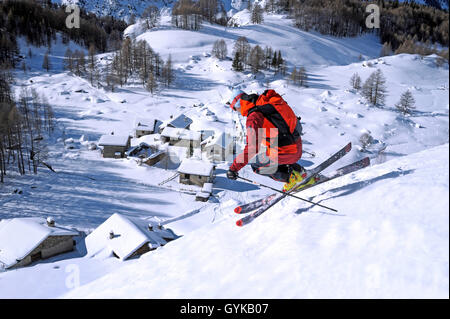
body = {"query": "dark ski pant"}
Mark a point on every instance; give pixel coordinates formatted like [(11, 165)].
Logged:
[(280, 172)]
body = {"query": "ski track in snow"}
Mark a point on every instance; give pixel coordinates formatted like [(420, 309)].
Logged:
[(389, 238)]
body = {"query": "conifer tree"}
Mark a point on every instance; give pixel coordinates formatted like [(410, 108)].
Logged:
[(257, 14), (91, 63), (46, 62), (406, 103), (237, 63)]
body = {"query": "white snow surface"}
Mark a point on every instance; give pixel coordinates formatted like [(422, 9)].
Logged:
[(379, 245), (389, 239)]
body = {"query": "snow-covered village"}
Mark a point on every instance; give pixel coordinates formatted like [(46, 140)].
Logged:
[(210, 149)]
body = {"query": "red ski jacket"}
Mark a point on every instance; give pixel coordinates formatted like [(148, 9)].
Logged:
[(287, 153)]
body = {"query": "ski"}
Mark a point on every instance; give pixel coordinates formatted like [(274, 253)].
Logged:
[(248, 207), (309, 175)]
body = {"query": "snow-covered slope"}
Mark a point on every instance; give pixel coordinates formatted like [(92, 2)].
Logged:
[(389, 239), (298, 47)]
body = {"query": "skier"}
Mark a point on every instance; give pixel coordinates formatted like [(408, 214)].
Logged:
[(268, 114)]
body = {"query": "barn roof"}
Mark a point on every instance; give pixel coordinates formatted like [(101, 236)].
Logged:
[(20, 236), (195, 167), (113, 140)]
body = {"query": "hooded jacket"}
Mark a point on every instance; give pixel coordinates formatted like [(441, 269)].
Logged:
[(273, 124)]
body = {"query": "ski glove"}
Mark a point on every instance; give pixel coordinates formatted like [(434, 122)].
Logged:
[(232, 174)]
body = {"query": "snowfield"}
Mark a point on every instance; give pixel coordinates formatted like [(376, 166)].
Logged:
[(389, 238), (379, 245)]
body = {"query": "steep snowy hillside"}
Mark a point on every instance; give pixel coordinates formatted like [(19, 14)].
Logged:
[(298, 47), (389, 239)]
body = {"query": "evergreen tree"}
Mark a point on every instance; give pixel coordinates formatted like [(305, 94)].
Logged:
[(257, 16), (274, 61), (268, 57), (46, 62), (91, 63), (237, 63), (406, 103)]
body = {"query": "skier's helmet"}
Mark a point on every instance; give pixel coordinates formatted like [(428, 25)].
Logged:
[(235, 101)]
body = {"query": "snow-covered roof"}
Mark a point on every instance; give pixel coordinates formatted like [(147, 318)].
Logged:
[(181, 133), (147, 124), (113, 140), (130, 234), (207, 188), (223, 140), (19, 236), (195, 167), (182, 121)]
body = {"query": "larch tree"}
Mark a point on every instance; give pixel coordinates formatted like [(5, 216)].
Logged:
[(355, 81), (374, 88), (220, 49)]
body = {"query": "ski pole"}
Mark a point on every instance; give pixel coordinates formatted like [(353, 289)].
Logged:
[(288, 194), (310, 153)]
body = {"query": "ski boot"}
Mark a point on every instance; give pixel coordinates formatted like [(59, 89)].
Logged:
[(297, 175)]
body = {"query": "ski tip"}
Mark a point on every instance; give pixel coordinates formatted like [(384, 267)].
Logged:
[(239, 223), (348, 147), (238, 210)]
